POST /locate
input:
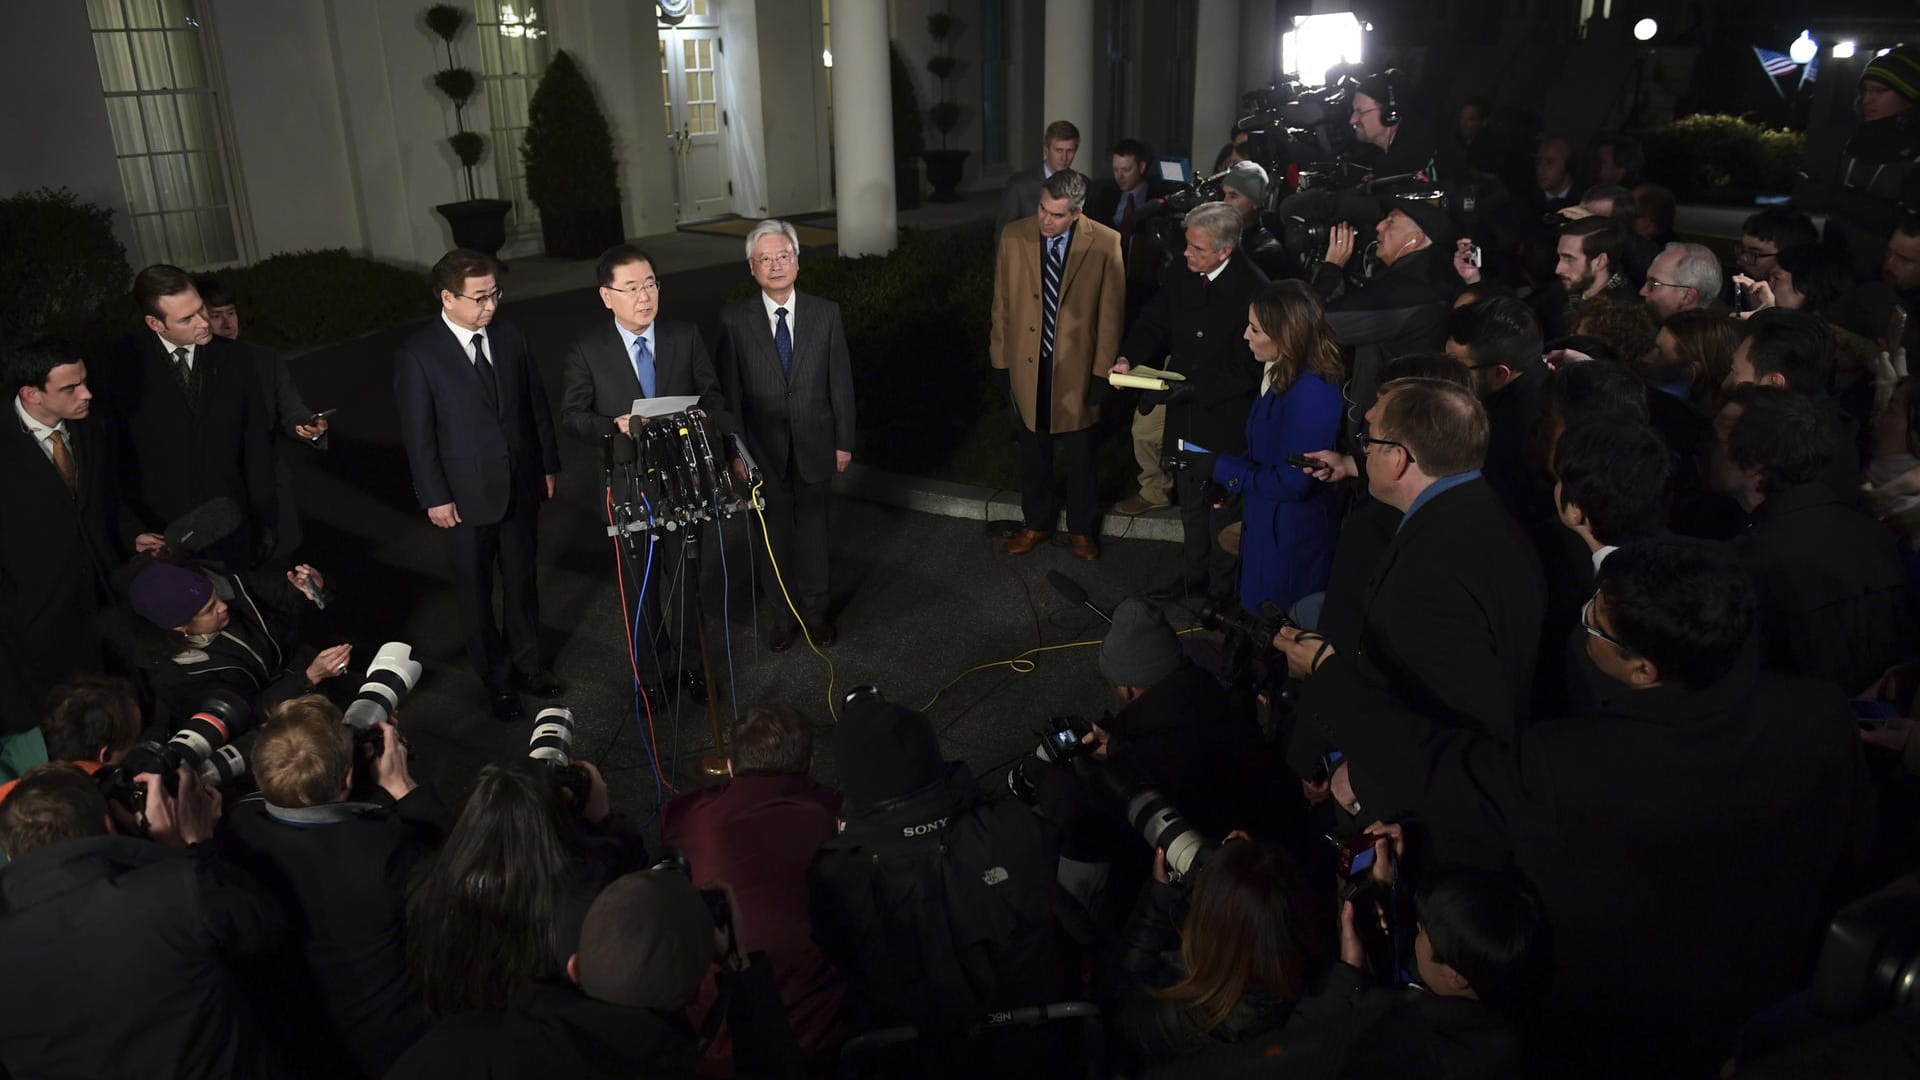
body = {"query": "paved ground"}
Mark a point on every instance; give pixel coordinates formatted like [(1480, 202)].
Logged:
[(920, 598)]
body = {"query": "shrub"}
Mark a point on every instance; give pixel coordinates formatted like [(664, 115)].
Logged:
[(67, 273), (1723, 158), (309, 298), (569, 148), (908, 135)]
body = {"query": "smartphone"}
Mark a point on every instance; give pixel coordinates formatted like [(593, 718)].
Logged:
[(1190, 448), (1873, 714), (1302, 461), (1474, 256), (1355, 854), (322, 415)]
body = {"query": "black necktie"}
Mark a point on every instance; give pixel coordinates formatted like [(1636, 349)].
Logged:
[(484, 366), (183, 373)]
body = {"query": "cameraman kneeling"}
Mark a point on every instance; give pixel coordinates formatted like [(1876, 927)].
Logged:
[(340, 868), (1176, 729), (119, 950)]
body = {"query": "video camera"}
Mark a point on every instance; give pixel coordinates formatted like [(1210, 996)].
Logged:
[(390, 678), (203, 745), (552, 745), (1147, 811)]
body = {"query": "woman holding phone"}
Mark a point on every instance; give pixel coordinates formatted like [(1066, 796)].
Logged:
[(1289, 520)]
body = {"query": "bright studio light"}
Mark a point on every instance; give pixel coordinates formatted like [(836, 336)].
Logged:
[(1318, 42), (1803, 49), (1844, 50), (1645, 29)]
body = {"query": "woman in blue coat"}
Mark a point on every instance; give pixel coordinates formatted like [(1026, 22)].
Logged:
[(1286, 542)]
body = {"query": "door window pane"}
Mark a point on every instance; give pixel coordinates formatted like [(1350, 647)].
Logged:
[(513, 56)]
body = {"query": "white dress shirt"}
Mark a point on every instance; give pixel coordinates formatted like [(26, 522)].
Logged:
[(773, 320), (42, 434), (171, 348), (465, 337)]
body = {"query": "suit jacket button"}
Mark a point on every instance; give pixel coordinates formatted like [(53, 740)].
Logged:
[(1199, 333)]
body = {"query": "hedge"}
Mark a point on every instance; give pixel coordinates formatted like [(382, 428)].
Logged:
[(309, 298), (64, 272), (1717, 158)]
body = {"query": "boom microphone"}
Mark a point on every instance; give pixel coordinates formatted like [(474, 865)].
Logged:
[(1071, 591)]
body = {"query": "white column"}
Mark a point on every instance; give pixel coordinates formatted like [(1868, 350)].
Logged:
[(863, 128), (1067, 58), (1259, 44), (1216, 78)]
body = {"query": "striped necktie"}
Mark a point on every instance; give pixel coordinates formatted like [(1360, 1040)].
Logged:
[(1051, 266)]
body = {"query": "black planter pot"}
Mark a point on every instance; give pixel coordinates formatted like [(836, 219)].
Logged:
[(479, 224), (943, 172), (906, 185), (581, 234)]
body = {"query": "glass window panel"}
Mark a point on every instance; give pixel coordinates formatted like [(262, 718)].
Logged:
[(150, 63), (688, 54), (105, 14), (174, 181), (486, 11), (144, 13), (183, 239), (178, 14), (216, 226), (136, 178), (209, 187), (706, 119), (489, 52), (706, 86), (123, 114), (196, 121), (699, 7), (706, 54), (151, 235), (116, 63), (513, 55), (163, 123), (188, 70)]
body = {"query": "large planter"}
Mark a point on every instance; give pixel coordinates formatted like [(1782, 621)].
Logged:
[(906, 185), (581, 234), (478, 224), (943, 172)]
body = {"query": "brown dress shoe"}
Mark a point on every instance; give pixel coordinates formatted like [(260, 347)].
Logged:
[(1134, 505), (1026, 540), (1085, 547), (781, 639)]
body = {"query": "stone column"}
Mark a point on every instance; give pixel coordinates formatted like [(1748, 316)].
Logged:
[(1259, 44), (1216, 78), (1067, 58), (863, 128)]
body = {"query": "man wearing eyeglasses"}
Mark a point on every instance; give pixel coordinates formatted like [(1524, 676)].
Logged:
[(788, 379), (479, 438)]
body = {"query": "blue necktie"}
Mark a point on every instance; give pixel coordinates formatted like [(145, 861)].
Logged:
[(783, 342), (643, 365), (1050, 286)]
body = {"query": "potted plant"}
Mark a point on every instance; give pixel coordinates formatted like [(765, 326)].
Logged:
[(907, 137), (944, 166), (571, 173), (480, 224)]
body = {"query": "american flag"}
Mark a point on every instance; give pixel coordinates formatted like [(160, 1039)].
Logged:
[(1773, 63)]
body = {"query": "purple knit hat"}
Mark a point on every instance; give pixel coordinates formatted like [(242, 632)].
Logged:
[(169, 596)]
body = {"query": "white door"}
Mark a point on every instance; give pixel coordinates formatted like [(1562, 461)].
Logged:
[(690, 73)]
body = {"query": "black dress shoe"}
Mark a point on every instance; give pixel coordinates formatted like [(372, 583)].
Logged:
[(507, 710), (543, 684), (824, 634), (781, 639), (696, 685)]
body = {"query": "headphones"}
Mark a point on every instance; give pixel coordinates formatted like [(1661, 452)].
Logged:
[(1390, 108)]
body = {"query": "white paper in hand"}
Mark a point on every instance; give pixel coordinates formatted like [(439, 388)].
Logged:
[(663, 406)]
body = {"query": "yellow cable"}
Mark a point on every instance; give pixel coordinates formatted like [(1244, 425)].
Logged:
[(1019, 664), (759, 510)]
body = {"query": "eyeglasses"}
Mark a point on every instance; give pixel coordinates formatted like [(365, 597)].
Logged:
[(1655, 283), (1358, 113), (1586, 623), (1362, 440), (645, 288), (491, 299), (784, 258), (1754, 254)]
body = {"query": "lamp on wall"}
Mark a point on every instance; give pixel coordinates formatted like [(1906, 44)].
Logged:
[(1645, 29), (1803, 48)]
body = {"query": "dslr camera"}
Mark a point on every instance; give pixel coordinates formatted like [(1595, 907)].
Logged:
[(552, 746), (203, 745), (390, 678)]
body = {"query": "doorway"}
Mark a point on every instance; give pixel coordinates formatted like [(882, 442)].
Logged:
[(691, 78)]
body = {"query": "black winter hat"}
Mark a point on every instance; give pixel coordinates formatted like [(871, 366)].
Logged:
[(884, 751)]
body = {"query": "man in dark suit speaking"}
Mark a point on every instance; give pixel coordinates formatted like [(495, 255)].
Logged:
[(636, 355), (789, 382), (479, 438)]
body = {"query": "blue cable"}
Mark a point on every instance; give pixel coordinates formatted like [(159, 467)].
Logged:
[(639, 717)]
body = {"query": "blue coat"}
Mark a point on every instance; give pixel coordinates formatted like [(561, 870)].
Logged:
[(1286, 543)]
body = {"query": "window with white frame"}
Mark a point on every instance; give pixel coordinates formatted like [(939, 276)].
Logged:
[(513, 56), (167, 137)]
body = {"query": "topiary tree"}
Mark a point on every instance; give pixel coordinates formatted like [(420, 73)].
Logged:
[(945, 113), (66, 272), (458, 84), (569, 147)]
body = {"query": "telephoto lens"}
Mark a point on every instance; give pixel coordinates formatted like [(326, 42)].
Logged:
[(390, 677), (204, 745), (1158, 821), (552, 745)]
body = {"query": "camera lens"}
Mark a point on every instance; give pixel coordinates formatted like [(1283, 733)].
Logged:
[(552, 740)]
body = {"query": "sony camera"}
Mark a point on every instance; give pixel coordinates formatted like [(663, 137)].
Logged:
[(203, 745), (390, 678), (552, 746)]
